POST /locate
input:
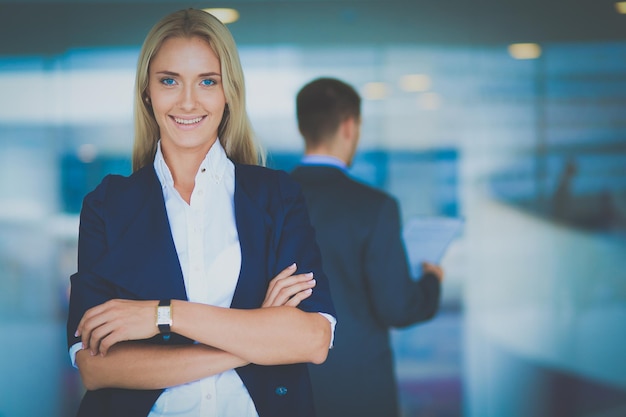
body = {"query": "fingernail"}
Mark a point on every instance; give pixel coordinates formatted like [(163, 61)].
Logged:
[(309, 274), (309, 291), (293, 265), (76, 334), (312, 282), (92, 353)]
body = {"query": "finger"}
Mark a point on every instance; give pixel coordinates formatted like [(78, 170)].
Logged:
[(111, 339), (90, 320), (98, 319), (89, 314), (285, 273), (428, 266), (296, 299), (97, 335), (107, 335), (276, 295), (292, 280), (275, 284), (433, 269), (290, 291), (89, 325)]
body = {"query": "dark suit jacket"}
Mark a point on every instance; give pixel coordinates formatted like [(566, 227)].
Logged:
[(126, 250), (359, 233)]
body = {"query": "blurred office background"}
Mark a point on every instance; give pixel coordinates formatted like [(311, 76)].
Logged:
[(526, 143)]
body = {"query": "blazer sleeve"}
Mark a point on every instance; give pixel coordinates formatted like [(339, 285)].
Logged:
[(87, 290), (296, 242), (397, 299)]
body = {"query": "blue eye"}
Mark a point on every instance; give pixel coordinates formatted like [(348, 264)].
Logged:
[(168, 81), (207, 82)]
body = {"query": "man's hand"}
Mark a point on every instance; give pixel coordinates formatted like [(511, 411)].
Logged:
[(433, 269)]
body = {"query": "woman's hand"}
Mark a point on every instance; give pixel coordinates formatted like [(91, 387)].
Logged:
[(288, 289), (116, 321)]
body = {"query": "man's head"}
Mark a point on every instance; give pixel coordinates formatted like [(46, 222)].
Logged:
[(329, 117)]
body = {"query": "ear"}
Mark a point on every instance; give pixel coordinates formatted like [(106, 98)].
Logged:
[(348, 128), (349, 137)]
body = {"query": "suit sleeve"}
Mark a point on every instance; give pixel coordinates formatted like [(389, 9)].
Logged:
[(296, 243), (87, 290), (397, 299)]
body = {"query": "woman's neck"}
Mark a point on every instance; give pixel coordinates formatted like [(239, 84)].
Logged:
[(184, 166)]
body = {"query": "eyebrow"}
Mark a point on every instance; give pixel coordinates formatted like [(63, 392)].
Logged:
[(174, 74)]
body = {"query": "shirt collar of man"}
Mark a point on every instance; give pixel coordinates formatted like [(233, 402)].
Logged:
[(324, 160)]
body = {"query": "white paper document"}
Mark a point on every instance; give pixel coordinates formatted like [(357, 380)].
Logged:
[(428, 238)]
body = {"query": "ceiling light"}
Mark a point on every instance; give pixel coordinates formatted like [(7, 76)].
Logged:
[(375, 91), (525, 50), (620, 6), (415, 82), (87, 153), (225, 16), (429, 101)]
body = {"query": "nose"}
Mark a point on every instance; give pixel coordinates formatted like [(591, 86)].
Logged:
[(188, 98)]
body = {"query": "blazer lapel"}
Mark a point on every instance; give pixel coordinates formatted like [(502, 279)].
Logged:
[(142, 258), (253, 226)]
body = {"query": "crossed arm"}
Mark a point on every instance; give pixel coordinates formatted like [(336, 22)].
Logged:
[(227, 338)]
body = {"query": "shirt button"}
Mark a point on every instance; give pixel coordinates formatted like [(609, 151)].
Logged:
[(208, 396)]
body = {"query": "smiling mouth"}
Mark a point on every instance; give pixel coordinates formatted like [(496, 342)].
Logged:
[(187, 122)]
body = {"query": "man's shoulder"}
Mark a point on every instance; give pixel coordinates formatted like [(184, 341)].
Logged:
[(368, 190), (337, 184)]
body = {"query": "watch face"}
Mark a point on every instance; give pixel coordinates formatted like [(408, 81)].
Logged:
[(163, 315)]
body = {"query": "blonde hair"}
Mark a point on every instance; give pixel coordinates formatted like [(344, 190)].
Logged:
[(235, 132)]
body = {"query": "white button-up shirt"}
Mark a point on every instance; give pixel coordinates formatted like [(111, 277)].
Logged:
[(207, 243)]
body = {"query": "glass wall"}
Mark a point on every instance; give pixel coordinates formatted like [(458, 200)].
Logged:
[(531, 154)]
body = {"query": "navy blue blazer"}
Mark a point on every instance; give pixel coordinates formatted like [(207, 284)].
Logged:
[(126, 250)]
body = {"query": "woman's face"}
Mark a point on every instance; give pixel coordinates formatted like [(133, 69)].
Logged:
[(186, 93)]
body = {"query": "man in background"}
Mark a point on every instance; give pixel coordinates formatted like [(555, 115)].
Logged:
[(358, 230)]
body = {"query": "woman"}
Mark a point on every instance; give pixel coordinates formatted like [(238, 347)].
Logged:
[(183, 303)]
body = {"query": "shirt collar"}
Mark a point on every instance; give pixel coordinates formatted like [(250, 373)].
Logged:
[(213, 165), (324, 160)]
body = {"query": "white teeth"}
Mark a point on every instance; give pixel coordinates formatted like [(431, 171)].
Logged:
[(187, 121)]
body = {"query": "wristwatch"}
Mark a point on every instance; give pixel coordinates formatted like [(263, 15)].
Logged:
[(164, 317)]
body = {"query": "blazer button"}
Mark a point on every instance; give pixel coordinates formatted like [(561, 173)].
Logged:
[(281, 391)]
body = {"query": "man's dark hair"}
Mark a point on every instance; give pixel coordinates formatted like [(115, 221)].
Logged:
[(322, 105)]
